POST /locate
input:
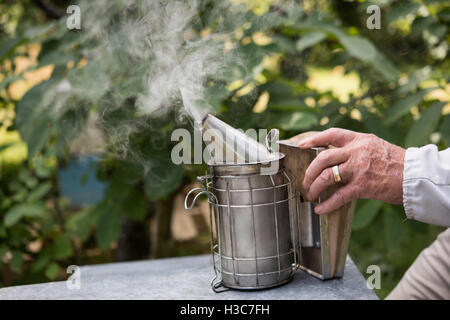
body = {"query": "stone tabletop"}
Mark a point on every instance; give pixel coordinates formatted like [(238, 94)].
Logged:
[(185, 278)]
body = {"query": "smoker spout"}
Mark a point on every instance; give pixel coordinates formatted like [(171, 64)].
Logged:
[(229, 145)]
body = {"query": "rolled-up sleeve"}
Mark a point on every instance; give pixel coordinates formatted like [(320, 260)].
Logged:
[(426, 185)]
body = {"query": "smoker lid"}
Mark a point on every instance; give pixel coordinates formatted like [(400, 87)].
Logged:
[(261, 167)]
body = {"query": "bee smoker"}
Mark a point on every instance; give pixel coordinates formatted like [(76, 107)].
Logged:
[(264, 230)]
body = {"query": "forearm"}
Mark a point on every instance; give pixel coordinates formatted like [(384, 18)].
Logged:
[(386, 178)]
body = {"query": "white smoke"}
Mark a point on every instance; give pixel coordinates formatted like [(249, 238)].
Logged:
[(158, 38)]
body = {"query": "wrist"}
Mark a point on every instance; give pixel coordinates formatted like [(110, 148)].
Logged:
[(396, 166)]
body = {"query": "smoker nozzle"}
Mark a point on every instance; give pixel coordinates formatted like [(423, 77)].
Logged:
[(229, 145)]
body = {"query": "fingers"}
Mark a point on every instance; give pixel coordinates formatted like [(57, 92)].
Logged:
[(324, 159), (334, 136), (302, 136), (343, 195), (325, 180)]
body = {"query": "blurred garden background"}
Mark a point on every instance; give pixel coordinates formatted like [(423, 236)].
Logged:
[(86, 177)]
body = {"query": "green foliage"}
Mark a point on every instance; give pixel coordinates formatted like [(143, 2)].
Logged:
[(297, 121), (30, 212), (21, 210), (366, 212), (422, 128), (163, 178), (108, 226), (403, 106), (52, 271), (401, 9), (308, 40), (445, 130)]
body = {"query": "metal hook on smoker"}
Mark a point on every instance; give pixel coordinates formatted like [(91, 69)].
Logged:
[(271, 137), (190, 206), (202, 190)]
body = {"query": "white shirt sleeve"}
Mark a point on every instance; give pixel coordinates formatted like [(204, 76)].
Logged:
[(426, 185)]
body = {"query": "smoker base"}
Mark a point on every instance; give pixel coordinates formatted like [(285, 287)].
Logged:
[(260, 287)]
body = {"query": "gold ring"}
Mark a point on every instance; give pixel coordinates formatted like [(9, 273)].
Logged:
[(337, 176)]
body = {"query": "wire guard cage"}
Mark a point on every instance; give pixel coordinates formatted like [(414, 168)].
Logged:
[(253, 214)]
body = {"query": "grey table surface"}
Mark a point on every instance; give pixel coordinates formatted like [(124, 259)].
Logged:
[(185, 278)]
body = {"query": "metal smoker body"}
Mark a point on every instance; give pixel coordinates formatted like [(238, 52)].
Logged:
[(254, 216)]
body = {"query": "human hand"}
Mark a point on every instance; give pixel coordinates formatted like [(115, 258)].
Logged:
[(370, 168)]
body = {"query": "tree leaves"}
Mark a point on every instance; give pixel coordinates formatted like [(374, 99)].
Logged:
[(39, 192), (393, 226), (403, 106), (366, 212), (62, 247), (414, 79), (42, 260), (80, 224), (384, 66), (163, 177), (90, 82), (3, 251), (120, 200), (56, 58), (420, 130), (364, 50), (16, 261), (135, 206), (8, 45), (108, 228), (38, 31), (374, 124), (42, 169), (7, 80), (297, 121), (358, 47), (215, 94), (32, 119), (52, 271), (21, 210), (445, 130), (420, 24), (45, 111), (434, 33), (309, 39), (401, 9), (128, 172), (284, 44)]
